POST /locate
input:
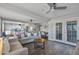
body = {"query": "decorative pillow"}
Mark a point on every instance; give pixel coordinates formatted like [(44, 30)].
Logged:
[(6, 46)]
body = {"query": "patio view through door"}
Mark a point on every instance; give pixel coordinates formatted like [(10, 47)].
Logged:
[(72, 31)]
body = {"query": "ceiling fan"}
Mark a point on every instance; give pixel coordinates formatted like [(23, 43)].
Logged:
[(32, 21), (55, 7)]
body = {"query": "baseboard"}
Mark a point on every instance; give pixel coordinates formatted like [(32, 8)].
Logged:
[(70, 43)]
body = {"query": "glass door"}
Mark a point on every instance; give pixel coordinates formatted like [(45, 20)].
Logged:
[(59, 31), (72, 31)]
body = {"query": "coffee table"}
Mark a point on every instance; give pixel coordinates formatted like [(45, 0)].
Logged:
[(39, 42)]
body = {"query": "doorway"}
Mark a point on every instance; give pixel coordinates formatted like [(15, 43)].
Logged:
[(72, 31), (59, 31)]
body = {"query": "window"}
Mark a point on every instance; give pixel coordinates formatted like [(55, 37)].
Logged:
[(59, 31), (72, 31)]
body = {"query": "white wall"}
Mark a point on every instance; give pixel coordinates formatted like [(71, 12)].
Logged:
[(44, 27), (63, 20)]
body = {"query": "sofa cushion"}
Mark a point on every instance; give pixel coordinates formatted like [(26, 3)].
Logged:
[(14, 45), (6, 46), (22, 51)]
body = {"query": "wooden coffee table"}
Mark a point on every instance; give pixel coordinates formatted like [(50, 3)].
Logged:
[(39, 42)]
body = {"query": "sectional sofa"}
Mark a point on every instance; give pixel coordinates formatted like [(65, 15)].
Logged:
[(13, 47)]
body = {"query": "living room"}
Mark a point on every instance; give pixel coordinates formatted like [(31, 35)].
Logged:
[(51, 31)]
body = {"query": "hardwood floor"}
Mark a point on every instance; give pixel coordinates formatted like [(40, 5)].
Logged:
[(51, 48)]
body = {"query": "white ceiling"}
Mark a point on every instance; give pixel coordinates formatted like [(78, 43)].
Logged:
[(35, 11)]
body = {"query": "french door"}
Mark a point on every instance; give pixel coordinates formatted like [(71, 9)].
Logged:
[(72, 31), (59, 31)]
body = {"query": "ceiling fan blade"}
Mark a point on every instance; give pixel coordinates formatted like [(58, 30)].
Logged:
[(63, 7), (49, 10), (54, 6)]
